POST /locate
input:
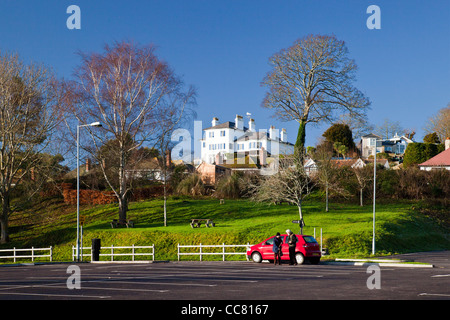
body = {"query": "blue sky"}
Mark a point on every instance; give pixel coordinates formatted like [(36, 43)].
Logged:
[(222, 47)]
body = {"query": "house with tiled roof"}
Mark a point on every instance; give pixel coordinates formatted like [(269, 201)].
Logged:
[(439, 161)]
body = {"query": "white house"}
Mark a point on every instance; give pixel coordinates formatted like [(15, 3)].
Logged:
[(395, 145), (222, 140)]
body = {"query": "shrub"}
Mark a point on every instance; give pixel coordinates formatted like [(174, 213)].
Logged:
[(192, 185)]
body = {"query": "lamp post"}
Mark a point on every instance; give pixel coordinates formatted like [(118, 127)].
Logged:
[(93, 124), (374, 194)]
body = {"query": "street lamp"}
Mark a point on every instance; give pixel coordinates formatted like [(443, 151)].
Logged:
[(374, 194), (93, 124)]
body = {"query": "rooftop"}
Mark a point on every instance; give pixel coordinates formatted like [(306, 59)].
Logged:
[(441, 159)]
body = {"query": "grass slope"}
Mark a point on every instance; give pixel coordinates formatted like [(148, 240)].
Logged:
[(347, 229)]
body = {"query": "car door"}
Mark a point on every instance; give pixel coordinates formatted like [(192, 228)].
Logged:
[(285, 249), (266, 249)]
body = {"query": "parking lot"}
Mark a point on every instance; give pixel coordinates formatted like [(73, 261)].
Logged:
[(196, 281)]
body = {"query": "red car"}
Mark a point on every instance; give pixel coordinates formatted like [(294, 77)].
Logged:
[(307, 249)]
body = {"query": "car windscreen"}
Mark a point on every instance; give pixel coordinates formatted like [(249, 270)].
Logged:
[(309, 239)]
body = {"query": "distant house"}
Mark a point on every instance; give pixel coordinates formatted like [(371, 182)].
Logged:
[(395, 145), (211, 173), (440, 161)]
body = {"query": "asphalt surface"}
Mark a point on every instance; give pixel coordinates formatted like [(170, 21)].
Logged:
[(227, 281)]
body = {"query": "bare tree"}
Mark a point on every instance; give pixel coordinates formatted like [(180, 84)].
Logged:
[(123, 88), (328, 174), (440, 123), (364, 176), (312, 81), (176, 111), (28, 117), (289, 184), (388, 129)]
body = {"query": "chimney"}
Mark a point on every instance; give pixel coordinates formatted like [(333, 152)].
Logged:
[(251, 125), (88, 164), (215, 121), (447, 143), (272, 133), (283, 135), (239, 122)]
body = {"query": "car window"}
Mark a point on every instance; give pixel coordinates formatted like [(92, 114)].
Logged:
[(309, 239), (270, 241)]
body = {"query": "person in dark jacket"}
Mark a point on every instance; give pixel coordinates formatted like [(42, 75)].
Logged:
[(292, 241), (277, 243)]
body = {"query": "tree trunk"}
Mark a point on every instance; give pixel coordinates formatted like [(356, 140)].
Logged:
[(299, 148), (4, 220), (123, 201), (361, 198), (326, 195)]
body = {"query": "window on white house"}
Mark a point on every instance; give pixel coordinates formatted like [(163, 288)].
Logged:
[(222, 133)]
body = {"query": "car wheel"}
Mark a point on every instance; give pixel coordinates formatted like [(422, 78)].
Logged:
[(300, 258), (256, 257)]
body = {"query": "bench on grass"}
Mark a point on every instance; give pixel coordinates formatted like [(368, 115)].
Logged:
[(196, 223)]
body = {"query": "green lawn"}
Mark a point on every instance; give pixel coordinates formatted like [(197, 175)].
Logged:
[(347, 229)]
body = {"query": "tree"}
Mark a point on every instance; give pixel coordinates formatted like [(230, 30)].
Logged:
[(364, 176), (28, 118), (440, 124), (311, 82), (289, 184), (416, 153), (388, 129), (431, 138), (340, 149), (124, 88), (340, 133), (328, 174)]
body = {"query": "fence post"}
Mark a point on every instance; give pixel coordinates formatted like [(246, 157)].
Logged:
[(200, 252), (320, 240), (178, 251), (112, 252), (153, 255), (132, 253), (32, 254), (223, 251), (248, 246), (14, 253), (51, 254)]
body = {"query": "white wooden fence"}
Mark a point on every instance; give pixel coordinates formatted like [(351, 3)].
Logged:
[(113, 252), (16, 253), (201, 252)]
